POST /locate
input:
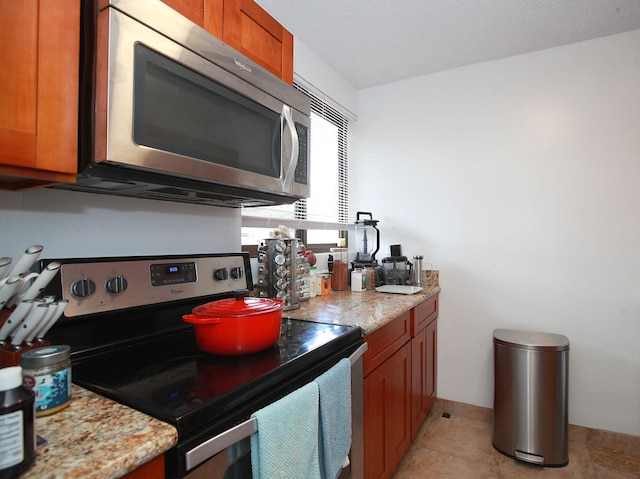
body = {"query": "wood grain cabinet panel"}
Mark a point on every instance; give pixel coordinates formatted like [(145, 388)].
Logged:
[(154, 469), (206, 13), (423, 375), (254, 33), (387, 404), (39, 51)]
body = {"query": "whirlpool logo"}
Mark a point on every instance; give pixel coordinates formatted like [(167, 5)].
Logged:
[(242, 66)]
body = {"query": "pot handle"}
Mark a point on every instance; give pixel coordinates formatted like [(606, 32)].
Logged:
[(195, 319), (240, 294)]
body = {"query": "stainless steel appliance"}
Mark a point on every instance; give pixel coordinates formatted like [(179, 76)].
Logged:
[(129, 343), (169, 112), (367, 239)]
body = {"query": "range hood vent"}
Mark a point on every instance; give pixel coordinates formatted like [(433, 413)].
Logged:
[(109, 179)]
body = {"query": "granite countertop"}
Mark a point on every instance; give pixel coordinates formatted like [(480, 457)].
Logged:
[(95, 437), (368, 309)]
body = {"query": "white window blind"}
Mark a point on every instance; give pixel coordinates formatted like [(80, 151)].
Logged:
[(327, 208)]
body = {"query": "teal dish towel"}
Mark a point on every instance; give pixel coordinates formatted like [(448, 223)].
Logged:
[(335, 418), (286, 444)]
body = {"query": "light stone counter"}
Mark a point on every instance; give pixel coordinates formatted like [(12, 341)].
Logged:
[(95, 437), (368, 309)]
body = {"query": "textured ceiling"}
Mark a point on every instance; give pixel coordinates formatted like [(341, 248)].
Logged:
[(372, 42)]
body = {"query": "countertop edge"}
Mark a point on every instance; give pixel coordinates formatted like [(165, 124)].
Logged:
[(95, 437)]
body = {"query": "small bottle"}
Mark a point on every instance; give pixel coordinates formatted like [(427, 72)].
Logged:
[(48, 372), (17, 424), (358, 280), (313, 284)]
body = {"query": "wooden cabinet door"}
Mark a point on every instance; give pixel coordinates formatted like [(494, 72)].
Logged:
[(423, 375), (254, 33), (205, 13), (154, 469), (39, 54), (387, 410)]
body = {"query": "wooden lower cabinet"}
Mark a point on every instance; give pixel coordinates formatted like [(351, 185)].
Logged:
[(387, 405), (423, 375), (399, 386), (154, 469)]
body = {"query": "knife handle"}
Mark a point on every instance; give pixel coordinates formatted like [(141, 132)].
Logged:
[(60, 307), (25, 262), (9, 289), (43, 279), (29, 323), (5, 263), (15, 318)]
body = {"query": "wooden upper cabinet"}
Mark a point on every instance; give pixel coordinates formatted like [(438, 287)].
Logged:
[(206, 13), (254, 33), (39, 54), (245, 26)]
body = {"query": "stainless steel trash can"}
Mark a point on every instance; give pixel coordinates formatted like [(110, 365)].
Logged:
[(530, 416)]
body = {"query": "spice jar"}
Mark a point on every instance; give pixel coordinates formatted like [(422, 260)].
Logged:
[(48, 372), (17, 424)]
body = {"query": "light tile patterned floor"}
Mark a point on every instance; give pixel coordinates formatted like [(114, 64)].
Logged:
[(460, 447)]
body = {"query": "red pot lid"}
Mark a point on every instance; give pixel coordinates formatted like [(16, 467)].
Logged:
[(239, 306)]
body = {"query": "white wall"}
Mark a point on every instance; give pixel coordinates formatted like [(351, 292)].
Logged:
[(519, 180), (72, 224)]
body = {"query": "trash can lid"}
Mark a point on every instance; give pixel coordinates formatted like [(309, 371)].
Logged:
[(531, 340)]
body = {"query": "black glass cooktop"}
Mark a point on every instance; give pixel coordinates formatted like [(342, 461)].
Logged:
[(172, 380)]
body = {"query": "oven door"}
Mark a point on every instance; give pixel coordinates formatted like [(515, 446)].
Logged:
[(228, 455), (164, 106)]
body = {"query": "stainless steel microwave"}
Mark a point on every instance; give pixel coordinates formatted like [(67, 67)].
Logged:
[(170, 112)]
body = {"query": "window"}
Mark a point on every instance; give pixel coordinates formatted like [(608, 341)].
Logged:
[(322, 218)]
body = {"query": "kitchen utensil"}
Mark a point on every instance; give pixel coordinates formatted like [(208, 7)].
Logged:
[(396, 269), (25, 262), (29, 324), (60, 306), (5, 264), (240, 325), (42, 280), (14, 319), (21, 289), (9, 289), (367, 239)]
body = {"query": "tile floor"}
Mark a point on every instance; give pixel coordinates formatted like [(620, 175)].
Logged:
[(460, 448)]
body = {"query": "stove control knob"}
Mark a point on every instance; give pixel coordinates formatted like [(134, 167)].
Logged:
[(220, 274), (83, 288), (236, 273), (116, 285)]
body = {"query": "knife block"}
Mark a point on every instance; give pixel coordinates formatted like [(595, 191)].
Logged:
[(11, 357)]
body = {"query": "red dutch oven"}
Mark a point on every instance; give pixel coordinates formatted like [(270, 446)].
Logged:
[(240, 325)]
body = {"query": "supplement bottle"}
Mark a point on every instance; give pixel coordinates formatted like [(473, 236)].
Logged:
[(17, 424), (48, 372)]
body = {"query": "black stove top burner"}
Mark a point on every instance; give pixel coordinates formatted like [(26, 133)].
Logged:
[(172, 380)]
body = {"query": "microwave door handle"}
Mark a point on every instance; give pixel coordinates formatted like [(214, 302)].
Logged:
[(286, 178)]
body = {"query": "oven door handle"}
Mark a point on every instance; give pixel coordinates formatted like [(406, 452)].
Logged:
[(218, 443)]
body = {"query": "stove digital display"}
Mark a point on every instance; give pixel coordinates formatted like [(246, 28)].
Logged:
[(172, 273)]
